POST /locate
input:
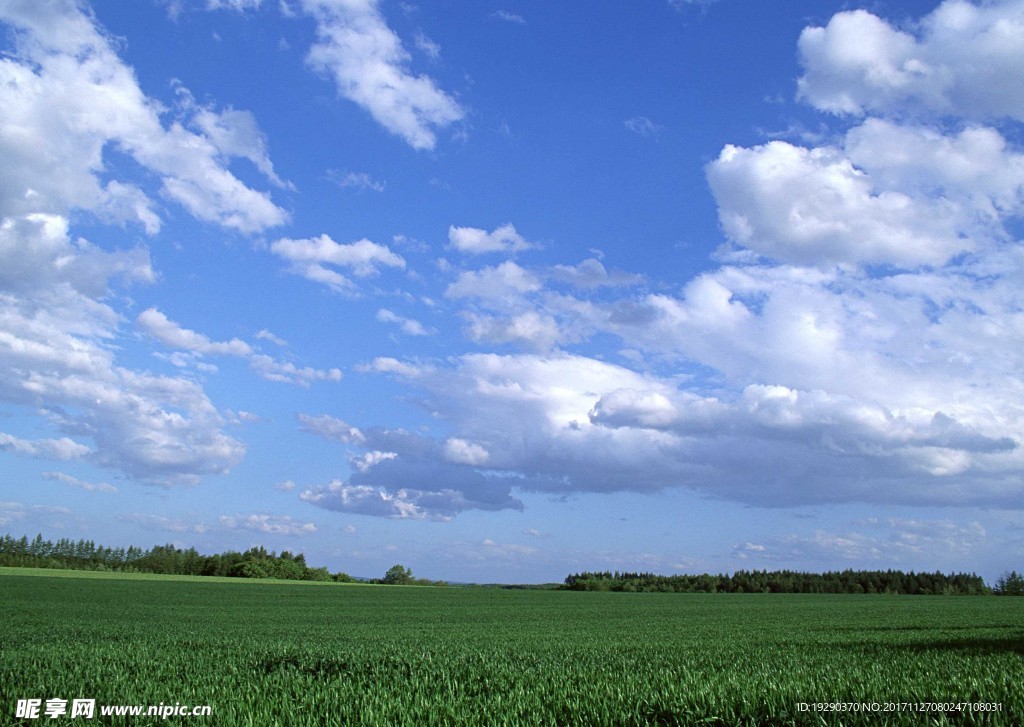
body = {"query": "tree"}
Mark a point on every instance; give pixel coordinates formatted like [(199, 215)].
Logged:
[(1010, 584), (398, 575)]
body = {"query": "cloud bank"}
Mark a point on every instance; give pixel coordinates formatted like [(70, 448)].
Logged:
[(858, 341)]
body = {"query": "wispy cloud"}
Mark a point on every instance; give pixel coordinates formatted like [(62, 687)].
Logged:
[(369, 66), (156, 325), (75, 482), (642, 126), (356, 180), (508, 17)]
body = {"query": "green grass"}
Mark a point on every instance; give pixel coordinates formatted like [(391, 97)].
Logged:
[(268, 654)]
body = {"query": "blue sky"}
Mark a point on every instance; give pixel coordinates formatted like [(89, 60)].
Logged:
[(507, 290)]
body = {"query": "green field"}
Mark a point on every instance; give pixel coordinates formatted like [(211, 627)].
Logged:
[(296, 654)]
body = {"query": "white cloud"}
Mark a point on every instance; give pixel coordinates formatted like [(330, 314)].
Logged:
[(812, 206), (591, 273), (975, 174), (369, 66), (963, 59), (503, 282), (331, 428), (238, 5), (508, 17), (37, 255), (288, 373), (357, 180), (75, 482), (363, 500), (642, 126), (158, 326), (11, 511), (460, 451), (407, 475), (474, 241), (268, 524), (308, 258), (506, 550), (65, 96), (265, 335), (56, 357), (389, 365), (162, 522), (235, 133), (887, 543), (427, 46), (408, 326), (564, 424), (531, 329), (367, 460), (62, 449)]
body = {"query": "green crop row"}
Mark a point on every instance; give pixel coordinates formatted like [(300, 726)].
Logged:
[(265, 654)]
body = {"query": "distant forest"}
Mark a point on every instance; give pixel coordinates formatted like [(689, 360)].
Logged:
[(86, 555), (170, 560), (848, 581), (259, 563)]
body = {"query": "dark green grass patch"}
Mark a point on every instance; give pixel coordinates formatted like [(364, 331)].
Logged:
[(272, 654)]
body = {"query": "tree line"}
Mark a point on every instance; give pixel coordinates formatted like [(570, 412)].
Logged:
[(166, 559), (848, 581)]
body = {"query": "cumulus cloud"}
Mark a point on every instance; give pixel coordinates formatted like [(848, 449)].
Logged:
[(812, 206), (310, 258), (503, 282), (400, 474), (462, 452), (63, 448), (369, 66), (363, 500), (474, 241), (561, 423), (389, 365), (591, 273), (38, 255), (56, 358), (963, 59), (857, 342), (331, 428), (65, 96), (530, 329)]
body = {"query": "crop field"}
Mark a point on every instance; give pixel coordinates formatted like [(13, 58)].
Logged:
[(301, 654)]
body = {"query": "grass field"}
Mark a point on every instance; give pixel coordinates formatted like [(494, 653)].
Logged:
[(296, 654)]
